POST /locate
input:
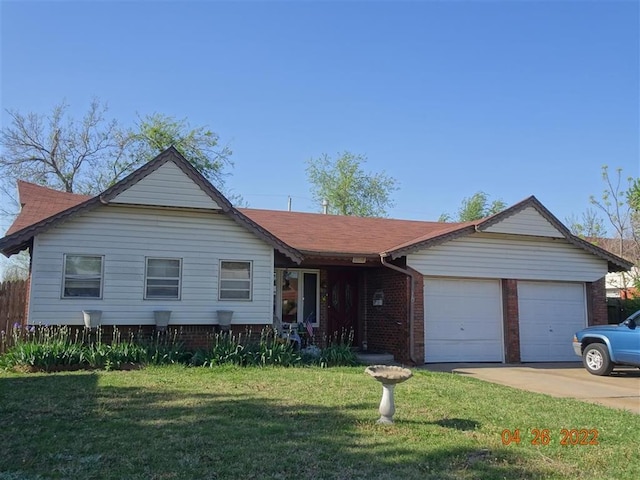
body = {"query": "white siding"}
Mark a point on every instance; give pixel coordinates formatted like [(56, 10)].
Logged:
[(169, 187), (526, 222), (497, 256), (125, 236)]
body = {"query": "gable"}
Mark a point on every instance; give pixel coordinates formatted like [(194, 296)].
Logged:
[(179, 185), (528, 218), (528, 221), (167, 186)]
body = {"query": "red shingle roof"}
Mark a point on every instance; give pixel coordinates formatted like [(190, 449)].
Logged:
[(40, 202), (315, 233)]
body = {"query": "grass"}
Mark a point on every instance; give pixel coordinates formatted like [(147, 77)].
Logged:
[(174, 422)]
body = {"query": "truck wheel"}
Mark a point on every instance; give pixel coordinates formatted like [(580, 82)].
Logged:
[(595, 359)]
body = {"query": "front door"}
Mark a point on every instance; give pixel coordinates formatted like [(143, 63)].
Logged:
[(342, 304)]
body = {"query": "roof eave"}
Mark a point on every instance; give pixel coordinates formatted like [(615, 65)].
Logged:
[(17, 241), (14, 248), (321, 253)]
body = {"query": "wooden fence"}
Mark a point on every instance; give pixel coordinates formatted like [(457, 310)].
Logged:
[(13, 302)]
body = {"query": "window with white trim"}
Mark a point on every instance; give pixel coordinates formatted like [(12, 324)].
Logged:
[(235, 280), (82, 277), (162, 278)]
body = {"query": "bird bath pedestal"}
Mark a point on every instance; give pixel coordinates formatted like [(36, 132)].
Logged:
[(389, 376)]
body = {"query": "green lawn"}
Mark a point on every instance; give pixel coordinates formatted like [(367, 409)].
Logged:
[(297, 423)]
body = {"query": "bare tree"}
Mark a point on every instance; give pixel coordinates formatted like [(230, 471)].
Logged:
[(617, 204), (16, 268), (58, 151), (614, 205), (590, 225)]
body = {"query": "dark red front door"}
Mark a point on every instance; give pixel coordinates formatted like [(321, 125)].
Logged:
[(343, 304)]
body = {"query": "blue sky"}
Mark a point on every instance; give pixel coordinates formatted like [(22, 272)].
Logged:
[(514, 98)]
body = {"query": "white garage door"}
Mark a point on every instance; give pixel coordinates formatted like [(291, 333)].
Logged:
[(463, 320), (550, 313)]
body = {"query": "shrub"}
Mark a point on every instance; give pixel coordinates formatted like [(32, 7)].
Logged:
[(269, 350), (339, 351), (45, 348), (51, 348), (227, 349), (272, 350), (56, 347)]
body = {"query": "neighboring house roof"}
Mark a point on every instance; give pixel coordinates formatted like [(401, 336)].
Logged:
[(57, 207), (294, 234), (627, 248)]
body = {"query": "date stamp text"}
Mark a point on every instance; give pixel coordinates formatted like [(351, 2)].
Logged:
[(544, 436)]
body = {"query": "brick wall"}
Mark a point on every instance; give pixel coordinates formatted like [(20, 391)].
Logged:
[(511, 320), (320, 332), (418, 317), (597, 302), (387, 325)]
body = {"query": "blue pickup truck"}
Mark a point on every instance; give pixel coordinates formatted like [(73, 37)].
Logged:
[(603, 347)]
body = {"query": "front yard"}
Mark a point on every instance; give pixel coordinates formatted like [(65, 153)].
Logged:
[(227, 422)]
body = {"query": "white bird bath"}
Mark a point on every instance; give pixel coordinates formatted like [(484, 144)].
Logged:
[(389, 376)]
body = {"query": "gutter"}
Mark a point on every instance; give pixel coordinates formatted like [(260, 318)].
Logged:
[(411, 301)]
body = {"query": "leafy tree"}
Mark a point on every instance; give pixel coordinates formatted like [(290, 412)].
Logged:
[(474, 208), (155, 133), (633, 194), (633, 199), (347, 188)]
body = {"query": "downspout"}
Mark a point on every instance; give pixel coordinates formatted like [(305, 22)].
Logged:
[(411, 301)]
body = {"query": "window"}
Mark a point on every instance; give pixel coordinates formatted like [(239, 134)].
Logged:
[(82, 276), (162, 278), (297, 296), (235, 280)]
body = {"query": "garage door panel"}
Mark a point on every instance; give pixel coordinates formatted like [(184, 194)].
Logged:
[(461, 331), (549, 313), (463, 320), (464, 351)]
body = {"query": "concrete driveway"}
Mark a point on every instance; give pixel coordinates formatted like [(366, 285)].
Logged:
[(570, 380)]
